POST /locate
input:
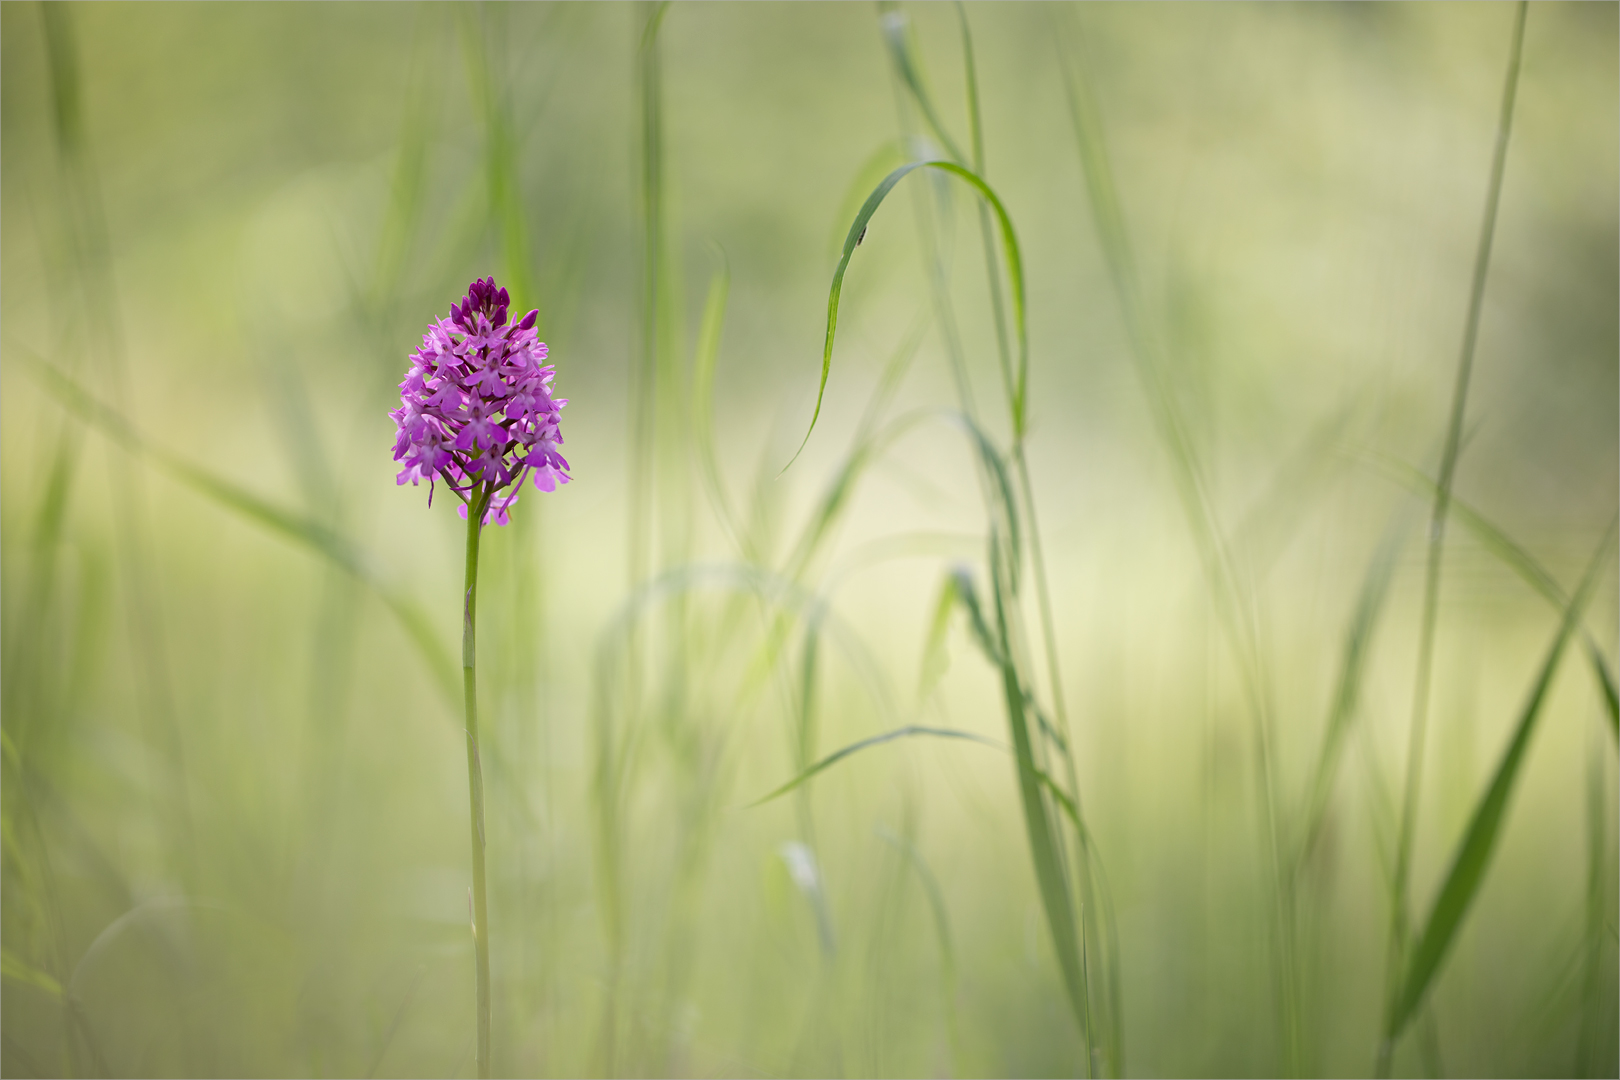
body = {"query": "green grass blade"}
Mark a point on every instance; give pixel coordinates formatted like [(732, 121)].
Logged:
[(1050, 874), (483, 37), (1417, 730), (856, 233), (1473, 854), (876, 740), (1015, 277), (894, 24), (402, 216), (1230, 590), (1600, 665), (13, 966), (805, 746), (968, 597), (703, 361), (970, 76), (1000, 487), (934, 660), (869, 441), (1066, 804), (936, 899), (837, 495), (883, 161), (942, 930), (1357, 641), (963, 592), (1534, 574)]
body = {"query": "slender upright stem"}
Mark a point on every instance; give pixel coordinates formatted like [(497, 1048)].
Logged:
[(1437, 531), (476, 506)]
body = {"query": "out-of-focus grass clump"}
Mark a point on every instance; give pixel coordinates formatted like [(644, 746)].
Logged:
[(1246, 241)]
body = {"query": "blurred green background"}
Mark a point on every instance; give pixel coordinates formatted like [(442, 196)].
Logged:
[(234, 794)]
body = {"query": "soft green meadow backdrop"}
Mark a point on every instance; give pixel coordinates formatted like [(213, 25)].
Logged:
[(234, 794)]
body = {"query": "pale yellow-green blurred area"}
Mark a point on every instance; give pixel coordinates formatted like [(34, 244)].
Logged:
[(236, 796)]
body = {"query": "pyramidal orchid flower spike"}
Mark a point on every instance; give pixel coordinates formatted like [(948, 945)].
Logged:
[(476, 408), (476, 411)]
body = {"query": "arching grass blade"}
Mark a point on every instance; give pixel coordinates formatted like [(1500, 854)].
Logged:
[(857, 230), (876, 740)]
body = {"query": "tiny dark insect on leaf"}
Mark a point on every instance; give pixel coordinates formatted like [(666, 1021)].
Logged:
[(861, 237)]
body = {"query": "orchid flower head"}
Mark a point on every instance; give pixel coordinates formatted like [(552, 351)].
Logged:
[(476, 407)]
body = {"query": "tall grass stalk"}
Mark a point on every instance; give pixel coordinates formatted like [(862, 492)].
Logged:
[(1014, 377), (1416, 743), (1230, 591), (1086, 860), (92, 254), (1004, 554), (484, 34)]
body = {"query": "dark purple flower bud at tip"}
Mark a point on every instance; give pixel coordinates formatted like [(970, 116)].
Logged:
[(529, 319)]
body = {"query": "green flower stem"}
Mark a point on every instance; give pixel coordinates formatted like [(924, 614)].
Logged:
[(475, 776)]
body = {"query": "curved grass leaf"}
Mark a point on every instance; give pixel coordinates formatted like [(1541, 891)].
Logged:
[(1015, 277), (876, 740), (1474, 852), (882, 161)]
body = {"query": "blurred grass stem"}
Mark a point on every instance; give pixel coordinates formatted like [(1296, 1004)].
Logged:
[(1231, 592), (1437, 532), (93, 264)]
